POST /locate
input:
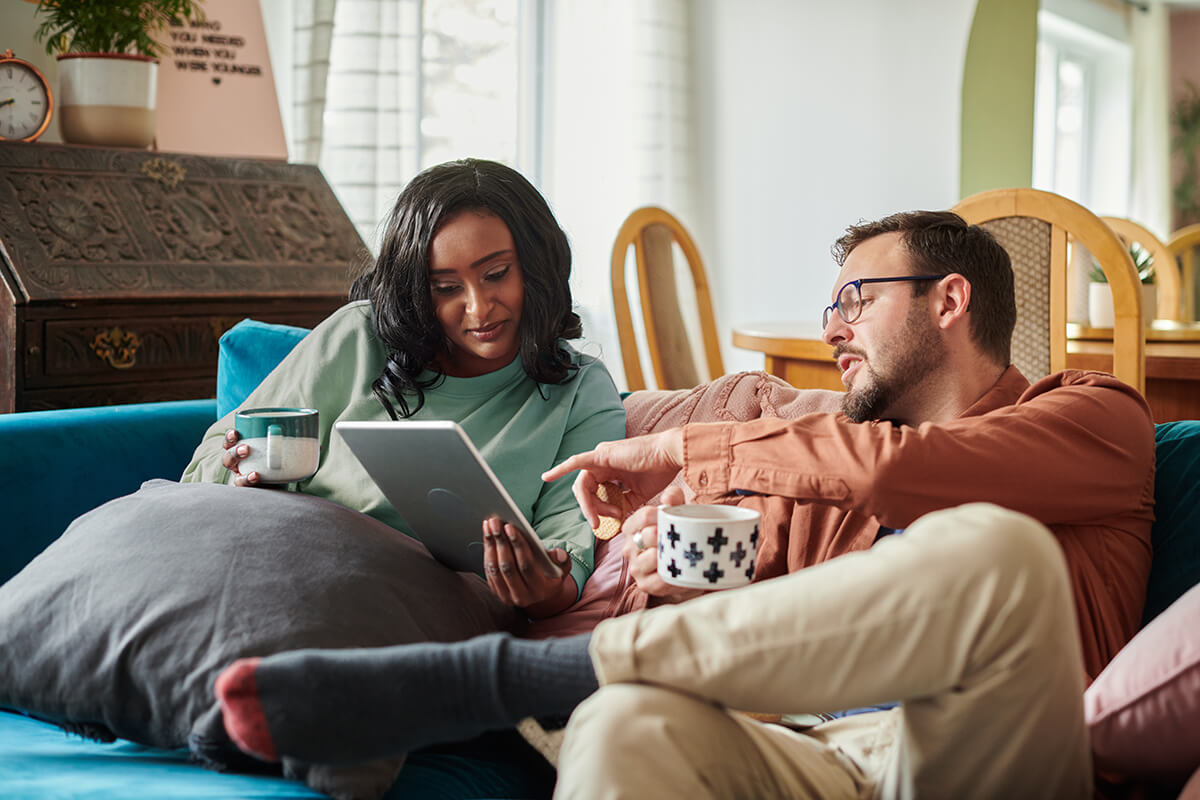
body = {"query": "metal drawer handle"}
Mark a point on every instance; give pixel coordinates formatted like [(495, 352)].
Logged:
[(116, 346)]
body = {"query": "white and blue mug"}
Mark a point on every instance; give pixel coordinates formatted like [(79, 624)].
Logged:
[(707, 546), (285, 444)]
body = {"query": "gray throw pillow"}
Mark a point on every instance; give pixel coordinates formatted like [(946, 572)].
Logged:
[(120, 627)]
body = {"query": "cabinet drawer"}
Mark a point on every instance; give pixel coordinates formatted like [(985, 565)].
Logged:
[(108, 394), (59, 352)]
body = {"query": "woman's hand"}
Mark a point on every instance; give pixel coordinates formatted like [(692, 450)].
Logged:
[(641, 551), (233, 455), (515, 577)]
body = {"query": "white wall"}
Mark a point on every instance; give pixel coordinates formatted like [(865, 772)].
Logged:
[(811, 116), (18, 21)]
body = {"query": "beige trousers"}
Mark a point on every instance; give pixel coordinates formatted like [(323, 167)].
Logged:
[(967, 618)]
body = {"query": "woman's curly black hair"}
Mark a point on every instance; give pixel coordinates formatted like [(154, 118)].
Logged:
[(397, 283)]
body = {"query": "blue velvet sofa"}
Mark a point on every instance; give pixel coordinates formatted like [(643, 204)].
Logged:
[(59, 464)]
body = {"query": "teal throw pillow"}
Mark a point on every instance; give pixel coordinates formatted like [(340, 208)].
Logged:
[(1176, 534), (249, 351)]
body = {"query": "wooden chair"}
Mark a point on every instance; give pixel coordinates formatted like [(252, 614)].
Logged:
[(1183, 244), (651, 231), (1035, 228), (1166, 268)]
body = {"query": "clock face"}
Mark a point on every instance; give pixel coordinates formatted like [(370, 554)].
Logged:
[(24, 101)]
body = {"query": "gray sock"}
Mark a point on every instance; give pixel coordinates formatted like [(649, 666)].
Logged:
[(339, 706)]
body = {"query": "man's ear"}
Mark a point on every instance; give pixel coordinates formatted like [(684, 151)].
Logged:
[(953, 299)]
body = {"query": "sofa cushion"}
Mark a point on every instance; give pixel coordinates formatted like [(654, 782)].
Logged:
[(248, 353), (58, 464), (121, 626), (1176, 534), (1143, 710)]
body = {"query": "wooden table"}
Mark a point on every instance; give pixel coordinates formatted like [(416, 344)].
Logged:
[(794, 351)]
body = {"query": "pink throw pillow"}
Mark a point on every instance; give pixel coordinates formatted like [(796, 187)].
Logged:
[(1143, 710)]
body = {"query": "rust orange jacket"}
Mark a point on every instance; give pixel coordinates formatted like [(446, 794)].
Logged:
[(1074, 450)]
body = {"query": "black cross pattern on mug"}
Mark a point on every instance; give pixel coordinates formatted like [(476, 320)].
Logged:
[(718, 540), (673, 535), (737, 554), (674, 569), (693, 555), (714, 573)]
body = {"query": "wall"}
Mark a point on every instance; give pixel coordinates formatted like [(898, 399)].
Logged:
[(997, 102), (18, 21), (811, 116)]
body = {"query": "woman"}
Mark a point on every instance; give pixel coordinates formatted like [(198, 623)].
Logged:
[(463, 316)]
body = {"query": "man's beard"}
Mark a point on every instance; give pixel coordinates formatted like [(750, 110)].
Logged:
[(903, 363)]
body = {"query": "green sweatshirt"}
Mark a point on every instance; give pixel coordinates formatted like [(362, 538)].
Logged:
[(519, 433)]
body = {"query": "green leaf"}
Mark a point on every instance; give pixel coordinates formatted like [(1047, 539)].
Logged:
[(110, 26)]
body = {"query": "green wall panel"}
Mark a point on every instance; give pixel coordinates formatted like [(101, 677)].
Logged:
[(997, 97)]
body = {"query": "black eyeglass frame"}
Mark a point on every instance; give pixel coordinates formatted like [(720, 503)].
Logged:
[(857, 284)]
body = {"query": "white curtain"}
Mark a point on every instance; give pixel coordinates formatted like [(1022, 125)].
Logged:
[(614, 119), (369, 148), (620, 136), (1150, 195), (312, 34)]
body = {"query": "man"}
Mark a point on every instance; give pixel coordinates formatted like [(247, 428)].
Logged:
[(965, 617)]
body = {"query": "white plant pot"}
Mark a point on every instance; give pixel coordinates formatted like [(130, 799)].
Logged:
[(1100, 305), (107, 99)]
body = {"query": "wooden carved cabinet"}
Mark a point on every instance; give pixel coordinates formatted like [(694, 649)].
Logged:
[(120, 269)]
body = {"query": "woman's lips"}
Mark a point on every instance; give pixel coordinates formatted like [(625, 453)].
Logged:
[(488, 332)]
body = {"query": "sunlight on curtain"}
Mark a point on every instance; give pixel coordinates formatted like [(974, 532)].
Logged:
[(590, 100), (620, 136), (372, 108), (312, 33)]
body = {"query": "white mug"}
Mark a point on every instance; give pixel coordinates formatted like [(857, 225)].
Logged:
[(284, 443), (707, 546)]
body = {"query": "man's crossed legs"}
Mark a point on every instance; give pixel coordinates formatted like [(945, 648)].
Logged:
[(966, 617)]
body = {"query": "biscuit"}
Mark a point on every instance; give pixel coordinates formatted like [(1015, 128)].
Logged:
[(611, 526)]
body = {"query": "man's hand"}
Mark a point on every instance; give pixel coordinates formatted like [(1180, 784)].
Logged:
[(643, 561), (643, 466)]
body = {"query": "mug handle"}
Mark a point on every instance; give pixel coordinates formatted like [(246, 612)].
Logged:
[(274, 447)]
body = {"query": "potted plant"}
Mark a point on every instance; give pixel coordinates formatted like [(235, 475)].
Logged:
[(1100, 303), (108, 67)]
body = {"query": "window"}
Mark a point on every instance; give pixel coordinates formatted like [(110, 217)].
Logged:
[(1083, 114), (414, 83)]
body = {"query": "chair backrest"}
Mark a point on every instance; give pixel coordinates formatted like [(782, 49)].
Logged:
[(1183, 244), (1036, 227), (651, 232), (1166, 268)]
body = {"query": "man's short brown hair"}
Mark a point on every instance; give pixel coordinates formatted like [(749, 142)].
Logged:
[(939, 243)]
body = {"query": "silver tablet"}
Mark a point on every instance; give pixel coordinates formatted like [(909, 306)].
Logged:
[(438, 482)]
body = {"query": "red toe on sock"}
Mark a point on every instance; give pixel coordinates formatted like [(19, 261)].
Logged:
[(245, 722)]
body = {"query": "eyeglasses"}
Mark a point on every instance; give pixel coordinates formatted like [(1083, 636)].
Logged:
[(849, 298)]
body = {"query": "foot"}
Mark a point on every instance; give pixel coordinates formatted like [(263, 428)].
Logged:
[(344, 706), (241, 711)]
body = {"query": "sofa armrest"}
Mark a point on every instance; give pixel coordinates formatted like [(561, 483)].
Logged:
[(59, 464)]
